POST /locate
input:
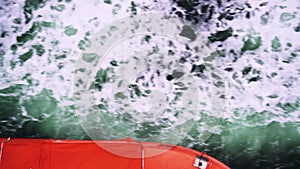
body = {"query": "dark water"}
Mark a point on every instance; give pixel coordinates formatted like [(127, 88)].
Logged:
[(257, 45)]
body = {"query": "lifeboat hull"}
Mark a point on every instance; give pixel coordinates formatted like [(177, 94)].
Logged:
[(87, 154)]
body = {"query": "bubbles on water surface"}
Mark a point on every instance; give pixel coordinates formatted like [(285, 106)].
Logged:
[(146, 77)]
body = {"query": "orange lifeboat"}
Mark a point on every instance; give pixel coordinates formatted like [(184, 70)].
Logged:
[(87, 154)]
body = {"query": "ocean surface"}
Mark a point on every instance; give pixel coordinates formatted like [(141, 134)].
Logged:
[(220, 76)]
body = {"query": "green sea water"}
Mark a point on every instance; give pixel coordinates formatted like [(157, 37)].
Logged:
[(256, 43)]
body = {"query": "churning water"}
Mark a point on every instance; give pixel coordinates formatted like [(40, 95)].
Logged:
[(238, 99)]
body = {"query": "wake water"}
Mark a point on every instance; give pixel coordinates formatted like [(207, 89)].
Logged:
[(256, 44)]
